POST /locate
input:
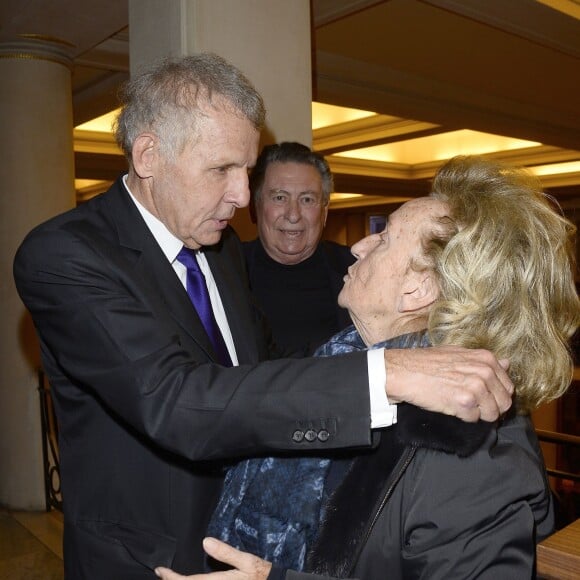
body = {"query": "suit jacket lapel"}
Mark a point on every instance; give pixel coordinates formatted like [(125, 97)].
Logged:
[(152, 266)]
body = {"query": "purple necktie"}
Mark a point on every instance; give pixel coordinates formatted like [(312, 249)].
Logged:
[(199, 296)]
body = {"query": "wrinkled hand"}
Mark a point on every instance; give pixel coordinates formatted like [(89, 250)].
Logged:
[(467, 383), (246, 566)]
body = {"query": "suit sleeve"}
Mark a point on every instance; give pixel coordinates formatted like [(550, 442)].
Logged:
[(113, 339)]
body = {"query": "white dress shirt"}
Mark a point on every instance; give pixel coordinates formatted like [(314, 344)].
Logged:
[(383, 413)]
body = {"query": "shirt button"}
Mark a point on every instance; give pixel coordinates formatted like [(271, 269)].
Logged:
[(310, 435), (323, 435), (297, 436)]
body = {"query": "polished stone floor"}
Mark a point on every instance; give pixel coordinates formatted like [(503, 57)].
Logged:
[(30, 545)]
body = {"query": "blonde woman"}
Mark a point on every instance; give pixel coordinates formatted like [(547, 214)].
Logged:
[(486, 261)]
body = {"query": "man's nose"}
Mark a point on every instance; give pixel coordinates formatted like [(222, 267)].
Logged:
[(292, 210), (239, 192)]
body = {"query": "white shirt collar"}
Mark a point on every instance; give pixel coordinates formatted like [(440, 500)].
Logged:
[(170, 245)]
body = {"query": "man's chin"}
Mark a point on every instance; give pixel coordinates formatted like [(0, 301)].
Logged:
[(212, 238)]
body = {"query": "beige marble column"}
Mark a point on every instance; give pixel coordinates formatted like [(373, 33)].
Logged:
[(37, 182), (269, 40)]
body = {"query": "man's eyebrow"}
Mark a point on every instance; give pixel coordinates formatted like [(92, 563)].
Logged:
[(225, 165), (306, 191)]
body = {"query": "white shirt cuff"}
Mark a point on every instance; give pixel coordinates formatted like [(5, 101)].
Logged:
[(383, 414)]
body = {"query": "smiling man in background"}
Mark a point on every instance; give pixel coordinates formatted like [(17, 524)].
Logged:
[(294, 274)]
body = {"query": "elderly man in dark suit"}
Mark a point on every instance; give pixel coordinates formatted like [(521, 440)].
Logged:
[(151, 385)]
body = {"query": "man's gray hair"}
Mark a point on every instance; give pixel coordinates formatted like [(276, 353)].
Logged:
[(168, 100)]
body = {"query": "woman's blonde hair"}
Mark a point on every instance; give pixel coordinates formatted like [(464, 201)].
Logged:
[(505, 263)]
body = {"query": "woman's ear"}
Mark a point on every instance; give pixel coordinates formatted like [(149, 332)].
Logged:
[(144, 154), (420, 290)]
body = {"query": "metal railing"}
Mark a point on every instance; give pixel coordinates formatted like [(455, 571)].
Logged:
[(50, 455), (560, 439)]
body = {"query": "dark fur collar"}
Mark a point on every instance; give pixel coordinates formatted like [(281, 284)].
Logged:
[(422, 428)]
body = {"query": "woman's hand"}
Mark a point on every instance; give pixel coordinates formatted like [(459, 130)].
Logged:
[(246, 566)]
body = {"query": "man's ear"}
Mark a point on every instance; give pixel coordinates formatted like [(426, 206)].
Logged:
[(144, 154), (420, 290)]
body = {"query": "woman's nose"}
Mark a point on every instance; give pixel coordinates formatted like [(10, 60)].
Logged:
[(362, 247)]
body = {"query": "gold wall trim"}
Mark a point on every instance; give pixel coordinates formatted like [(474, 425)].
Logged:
[(28, 56), (35, 49), (47, 38)]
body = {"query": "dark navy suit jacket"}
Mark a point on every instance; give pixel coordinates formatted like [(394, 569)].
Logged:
[(144, 412)]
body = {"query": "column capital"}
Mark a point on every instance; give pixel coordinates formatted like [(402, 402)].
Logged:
[(38, 47)]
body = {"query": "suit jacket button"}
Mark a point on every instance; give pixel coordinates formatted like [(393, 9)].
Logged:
[(310, 435), (297, 436), (323, 435)]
